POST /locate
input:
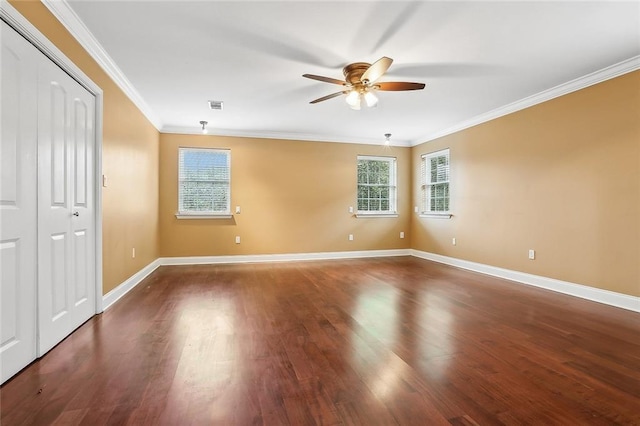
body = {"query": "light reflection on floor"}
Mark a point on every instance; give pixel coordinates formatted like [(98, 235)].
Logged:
[(383, 314), (210, 365)]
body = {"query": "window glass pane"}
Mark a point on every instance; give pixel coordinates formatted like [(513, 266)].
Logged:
[(434, 170), (385, 176), (374, 192), (384, 192), (362, 172), (362, 192)]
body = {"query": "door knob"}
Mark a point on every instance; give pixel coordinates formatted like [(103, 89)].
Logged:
[(76, 213)]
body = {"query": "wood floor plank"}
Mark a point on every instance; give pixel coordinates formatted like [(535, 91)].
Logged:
[(389, 341)]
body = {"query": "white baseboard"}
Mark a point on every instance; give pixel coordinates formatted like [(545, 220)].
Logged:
[(114, 295), (290, 257), (607, 297), (619, 300)]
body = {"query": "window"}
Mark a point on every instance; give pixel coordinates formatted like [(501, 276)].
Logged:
[(204, 188), (435, 183), (376, 185)]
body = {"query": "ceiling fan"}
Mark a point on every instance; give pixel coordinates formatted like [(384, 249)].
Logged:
[(361, 80)]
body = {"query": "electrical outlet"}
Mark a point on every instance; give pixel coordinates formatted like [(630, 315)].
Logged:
[(401, 234), (133, 253), (532, 254), (453, 241), (350, 237), (238, 239)]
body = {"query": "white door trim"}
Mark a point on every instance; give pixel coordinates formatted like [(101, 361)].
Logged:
[(18, 22)]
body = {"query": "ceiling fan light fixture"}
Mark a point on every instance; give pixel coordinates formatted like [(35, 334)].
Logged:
[(361, 80), (387, 137), (353, 99), (371, 99)]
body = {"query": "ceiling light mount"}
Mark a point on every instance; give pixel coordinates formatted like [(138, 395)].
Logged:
[(204, 126), (387, 137)]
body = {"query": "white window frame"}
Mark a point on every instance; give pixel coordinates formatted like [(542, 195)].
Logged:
[(426, 207), (198, 214), (392, 212)]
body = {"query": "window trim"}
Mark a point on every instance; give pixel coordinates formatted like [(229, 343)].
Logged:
[(424, 212), (393, 186), (188, 214)]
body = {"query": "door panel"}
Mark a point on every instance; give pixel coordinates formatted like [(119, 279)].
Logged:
[(66, 271), (81, 186), (18, 220), (59, 278), (57, 143), (81, 262), (80, 152), (54, 209)]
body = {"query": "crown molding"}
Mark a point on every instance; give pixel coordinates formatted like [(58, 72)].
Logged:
[(616, 70), (265, 134), (72, 22)]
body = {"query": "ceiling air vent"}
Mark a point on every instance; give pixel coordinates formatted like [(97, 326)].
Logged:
[(215, 105)]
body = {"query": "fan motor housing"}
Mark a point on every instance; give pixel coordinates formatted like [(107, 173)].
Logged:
[(353, 72)]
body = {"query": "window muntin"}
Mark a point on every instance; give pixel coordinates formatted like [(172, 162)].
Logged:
[(435, 183), (376, 185), (204, 182)]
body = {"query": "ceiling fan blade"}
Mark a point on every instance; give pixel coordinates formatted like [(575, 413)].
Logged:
[(325, 79), (399, 85), (377, 69), (324, 98)]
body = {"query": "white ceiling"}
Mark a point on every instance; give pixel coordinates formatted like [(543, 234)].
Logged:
[(475, 57)]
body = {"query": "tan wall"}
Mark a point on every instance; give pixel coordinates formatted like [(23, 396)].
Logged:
[(562, 177), (129, 160), (294, 198)]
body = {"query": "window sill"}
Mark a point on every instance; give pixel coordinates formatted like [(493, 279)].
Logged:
[(437, 215), (203, 216), (371, 215)]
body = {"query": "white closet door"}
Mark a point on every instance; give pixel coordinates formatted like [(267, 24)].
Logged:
[(66, 240), (17, 203)]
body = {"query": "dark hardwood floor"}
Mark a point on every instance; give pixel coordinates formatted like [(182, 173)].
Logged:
[(359, 342)]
